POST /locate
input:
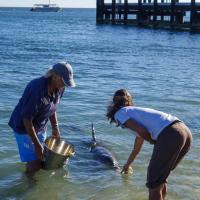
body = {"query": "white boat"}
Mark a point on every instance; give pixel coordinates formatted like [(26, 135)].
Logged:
[(45, 8)]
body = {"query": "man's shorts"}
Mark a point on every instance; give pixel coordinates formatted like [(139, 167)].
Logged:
[(26, 147)]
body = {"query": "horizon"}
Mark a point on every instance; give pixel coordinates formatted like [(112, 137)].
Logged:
[(61, 3)]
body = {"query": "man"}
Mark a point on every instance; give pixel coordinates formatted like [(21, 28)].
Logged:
[(35, 108)]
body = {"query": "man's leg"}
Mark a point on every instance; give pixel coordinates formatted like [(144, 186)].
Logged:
[(32, 167)]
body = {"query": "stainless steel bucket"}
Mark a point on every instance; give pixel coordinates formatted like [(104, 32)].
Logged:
[(57, 151)]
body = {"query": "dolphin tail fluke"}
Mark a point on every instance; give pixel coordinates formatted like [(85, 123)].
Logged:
[(93, 133)]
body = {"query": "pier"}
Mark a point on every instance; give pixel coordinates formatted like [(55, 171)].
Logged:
[(150, 13)]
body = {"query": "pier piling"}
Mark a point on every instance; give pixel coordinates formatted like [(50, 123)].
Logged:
[(150, 13)]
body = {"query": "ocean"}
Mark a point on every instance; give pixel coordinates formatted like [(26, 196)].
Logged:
[(160, 68)]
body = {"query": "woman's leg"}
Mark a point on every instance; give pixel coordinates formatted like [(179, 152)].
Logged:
[(167, 152), (185, 148), (164, 191), (157, 193)]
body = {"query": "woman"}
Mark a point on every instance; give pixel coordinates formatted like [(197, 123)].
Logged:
[(37, 105), (170, 136)]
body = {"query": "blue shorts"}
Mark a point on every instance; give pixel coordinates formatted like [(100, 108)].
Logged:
[(26, 147)]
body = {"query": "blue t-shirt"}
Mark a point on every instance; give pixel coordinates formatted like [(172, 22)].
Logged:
[(35, 104)]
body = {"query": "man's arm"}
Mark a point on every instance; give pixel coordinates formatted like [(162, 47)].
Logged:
[(31, 131), (54, 124)]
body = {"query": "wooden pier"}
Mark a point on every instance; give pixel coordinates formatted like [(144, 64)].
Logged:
[(150, 13)]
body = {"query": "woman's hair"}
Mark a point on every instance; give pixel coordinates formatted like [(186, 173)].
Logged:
[(121, 98)]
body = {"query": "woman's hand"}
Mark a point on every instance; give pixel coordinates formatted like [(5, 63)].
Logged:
[(127, 169)]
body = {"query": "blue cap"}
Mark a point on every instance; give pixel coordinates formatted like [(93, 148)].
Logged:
[(65, 71)]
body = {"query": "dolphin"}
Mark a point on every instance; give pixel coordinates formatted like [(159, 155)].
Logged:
[(101, 153)]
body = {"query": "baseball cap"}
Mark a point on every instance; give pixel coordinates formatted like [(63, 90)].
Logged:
[(65, 71)]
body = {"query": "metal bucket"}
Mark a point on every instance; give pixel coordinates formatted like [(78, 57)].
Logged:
[(57, 151)]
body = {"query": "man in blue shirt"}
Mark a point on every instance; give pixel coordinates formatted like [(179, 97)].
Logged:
[(37, 105)]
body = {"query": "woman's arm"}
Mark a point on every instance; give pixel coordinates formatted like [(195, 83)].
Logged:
[(136, 149), (141, 131), (31, 131), (54, 124), (143, 135)]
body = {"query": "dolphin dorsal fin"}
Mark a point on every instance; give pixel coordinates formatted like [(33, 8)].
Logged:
[(93, 133)]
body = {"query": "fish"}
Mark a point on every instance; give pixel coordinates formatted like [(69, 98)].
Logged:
[(101, 153)]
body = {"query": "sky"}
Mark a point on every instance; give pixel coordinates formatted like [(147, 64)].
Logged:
[(61, 3)]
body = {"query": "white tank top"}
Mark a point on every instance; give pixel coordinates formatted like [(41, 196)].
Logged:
[(153, 120)]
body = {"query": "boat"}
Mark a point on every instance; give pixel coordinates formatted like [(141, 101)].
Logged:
[(45, 7)]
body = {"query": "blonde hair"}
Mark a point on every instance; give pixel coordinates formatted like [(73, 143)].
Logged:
[(121, 98)]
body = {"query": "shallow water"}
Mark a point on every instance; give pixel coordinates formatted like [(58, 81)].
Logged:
[(160, 68)]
